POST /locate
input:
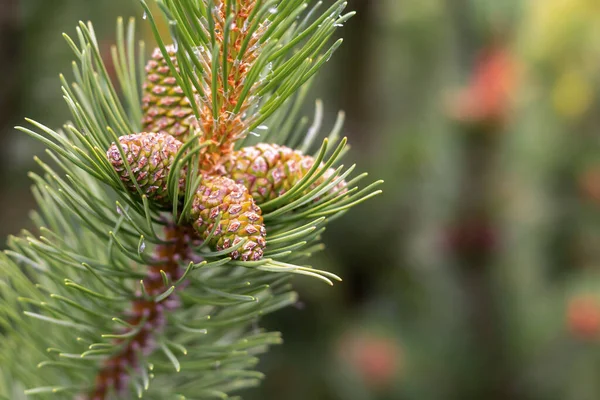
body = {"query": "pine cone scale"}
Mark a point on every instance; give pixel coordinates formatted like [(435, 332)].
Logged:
[(239, 217), (166, 109), (269, 171), (150, 157)]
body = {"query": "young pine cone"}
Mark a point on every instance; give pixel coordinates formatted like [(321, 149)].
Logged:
[(240, 217), (166, 108), (150, 156), (270, 170)]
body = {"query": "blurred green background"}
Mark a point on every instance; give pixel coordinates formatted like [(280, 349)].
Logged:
[(477, 274)]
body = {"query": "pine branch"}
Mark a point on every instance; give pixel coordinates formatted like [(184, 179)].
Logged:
[(146, 277), (147, 316)]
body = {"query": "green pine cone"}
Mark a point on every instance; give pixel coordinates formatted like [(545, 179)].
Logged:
[(270, 170), (150, 156), (166, 108), (240, 217)]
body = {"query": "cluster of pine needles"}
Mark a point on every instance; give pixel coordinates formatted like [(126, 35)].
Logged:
[(175, 206)]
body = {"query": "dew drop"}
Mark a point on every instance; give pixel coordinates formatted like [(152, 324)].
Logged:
[(142, 246), (263, 127), (273, 10), (119, 211), (145, 15)]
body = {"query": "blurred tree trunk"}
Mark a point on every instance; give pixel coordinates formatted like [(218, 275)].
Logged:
[(354, 78), (477, 261), (477, 220), (10, 61)]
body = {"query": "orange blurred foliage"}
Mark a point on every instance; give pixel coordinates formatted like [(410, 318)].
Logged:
[(376, 359), (486, 98), (583, 317)]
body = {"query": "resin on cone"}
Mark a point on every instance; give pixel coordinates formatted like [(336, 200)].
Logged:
[(269, 170), (150, 157), (240, 217), (165, 107)]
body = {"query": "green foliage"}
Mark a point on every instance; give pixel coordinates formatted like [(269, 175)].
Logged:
[(291, 48), (66, 289)]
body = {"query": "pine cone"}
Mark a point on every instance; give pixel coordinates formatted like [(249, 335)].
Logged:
[(166, 108), (150, 156), (240, 217), (270, 170)]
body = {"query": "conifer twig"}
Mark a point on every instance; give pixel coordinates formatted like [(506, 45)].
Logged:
[(148, 314)]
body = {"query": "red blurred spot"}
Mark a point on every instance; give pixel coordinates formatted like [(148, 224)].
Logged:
[(375, 359), (486, 98), (472, 238), (589, 183), (583, 317)]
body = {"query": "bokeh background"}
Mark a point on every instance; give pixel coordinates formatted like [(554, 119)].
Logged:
[(477, 274)]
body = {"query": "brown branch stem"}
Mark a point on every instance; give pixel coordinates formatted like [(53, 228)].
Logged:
[(147, 316)]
